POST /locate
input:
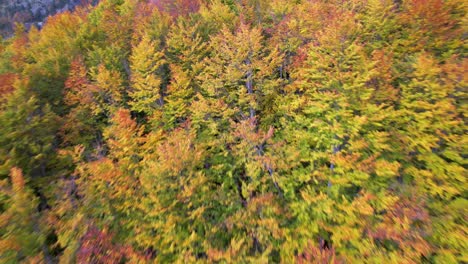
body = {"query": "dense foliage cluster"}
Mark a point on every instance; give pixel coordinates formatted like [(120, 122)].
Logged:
[(236, 131)]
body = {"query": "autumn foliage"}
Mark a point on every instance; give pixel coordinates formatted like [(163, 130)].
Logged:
[(236, 131)]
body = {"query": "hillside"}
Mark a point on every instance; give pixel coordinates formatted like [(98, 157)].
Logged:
[(30, 12), (236, 131)]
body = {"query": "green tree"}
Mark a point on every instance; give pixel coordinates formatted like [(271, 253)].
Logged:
[(21, 231), (27, 134)]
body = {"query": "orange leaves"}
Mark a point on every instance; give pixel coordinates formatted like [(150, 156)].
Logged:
[(102, 172), (426, 66), (17, 179), (78, 89), (247, 130), (407, 224), (385, 92), (7, 81), (431, 15), (97, 247), (228, 255), (177, 152), (177, 7), (123, 120), (433, 24), (285, 131), (125, 132), (320, 254)]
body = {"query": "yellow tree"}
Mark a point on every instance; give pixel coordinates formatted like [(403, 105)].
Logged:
[(431, 129), (146, 64)]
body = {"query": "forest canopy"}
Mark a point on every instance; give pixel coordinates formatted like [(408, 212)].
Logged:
[(236, 131)]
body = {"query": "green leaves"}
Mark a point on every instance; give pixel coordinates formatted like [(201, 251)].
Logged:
[(236, 131)]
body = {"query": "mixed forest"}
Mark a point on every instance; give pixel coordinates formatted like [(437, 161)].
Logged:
[(236, 131)]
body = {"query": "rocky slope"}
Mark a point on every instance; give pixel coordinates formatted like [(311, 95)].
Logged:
[(31, 12)]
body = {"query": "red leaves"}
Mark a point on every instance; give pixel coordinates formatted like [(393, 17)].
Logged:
[(321, 254), (407, 224), (177, 7), (77, 86), (124, 120), (178, 152), (97, 247)]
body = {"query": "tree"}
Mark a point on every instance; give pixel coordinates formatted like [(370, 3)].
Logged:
[(111, 93), (176, 197), (337, 154), (22, 237), (240, 74), (80, 126), (146, 64), (242, 70), (109, 185), (186, 52), (97, 247), (27, 134), (431, 130)]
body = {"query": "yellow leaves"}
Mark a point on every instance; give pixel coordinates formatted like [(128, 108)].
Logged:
[(426, 67), (230, 254), (281, 7), (9, 244), (69, 230), (361, 204), (59, 39), (197, 213), (384, 168), (110, 81), (313, 199), (218, 15), (358, 145), (344, 234), (241, 56), (236, 245)]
